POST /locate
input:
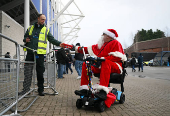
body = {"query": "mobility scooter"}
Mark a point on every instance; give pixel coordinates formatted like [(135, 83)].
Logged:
[(89, 99)]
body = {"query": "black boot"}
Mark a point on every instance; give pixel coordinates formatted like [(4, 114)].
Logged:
[(82, 92), (41, 94), (24, 91), (102, 95)]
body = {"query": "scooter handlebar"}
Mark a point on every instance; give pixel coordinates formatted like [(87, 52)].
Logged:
[(94, 59)]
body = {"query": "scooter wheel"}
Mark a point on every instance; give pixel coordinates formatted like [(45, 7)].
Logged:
[(122, 99), (79, 103), (101, 106)]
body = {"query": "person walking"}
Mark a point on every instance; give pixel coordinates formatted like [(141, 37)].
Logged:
[(140, 61), (36, 38), (7, 64), (68, 62), (169, 60), (133, 62), (61, 61), (78, 62)]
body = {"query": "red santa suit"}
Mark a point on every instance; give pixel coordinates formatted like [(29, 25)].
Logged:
[(113, 52)]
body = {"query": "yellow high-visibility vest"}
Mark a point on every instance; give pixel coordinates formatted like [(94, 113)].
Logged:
[(42, 41)]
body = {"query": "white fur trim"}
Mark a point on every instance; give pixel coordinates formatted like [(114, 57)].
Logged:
[(100, 42), (90, 51), (119, 54), (76, 49), (102, 58), (100, 87), (112, 35), (120, 68), (84, 87)]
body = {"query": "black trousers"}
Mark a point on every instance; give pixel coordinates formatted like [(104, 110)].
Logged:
[(28, 69)]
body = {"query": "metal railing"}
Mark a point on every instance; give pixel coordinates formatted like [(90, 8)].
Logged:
[(50, 73), (17, 75), (27, 81), (9, 80)]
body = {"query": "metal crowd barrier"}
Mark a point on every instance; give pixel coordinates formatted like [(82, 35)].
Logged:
[(50, 73), (16, 75), (27, 73), (9, 75), (10, 72)]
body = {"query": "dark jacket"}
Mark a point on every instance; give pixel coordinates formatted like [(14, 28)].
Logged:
[(61, 56), (169, 59), (78, 56), (33, 44), (7, 55), (140, 59), (133, 61), (69, 58)]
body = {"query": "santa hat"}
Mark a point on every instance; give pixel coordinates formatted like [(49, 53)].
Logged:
[(111, 32), (77, 44)]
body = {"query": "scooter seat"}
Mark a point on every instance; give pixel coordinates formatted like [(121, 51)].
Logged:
[(114, 77)]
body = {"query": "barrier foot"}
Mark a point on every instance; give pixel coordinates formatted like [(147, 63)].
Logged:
[(55, 92), (13, 114), (29, 105)]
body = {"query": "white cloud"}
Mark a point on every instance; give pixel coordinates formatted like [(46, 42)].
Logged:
[(125, 16)]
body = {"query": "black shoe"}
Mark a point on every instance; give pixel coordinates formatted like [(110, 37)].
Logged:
[(82, 92), (102, 95), (23, 92), (41, 94), (142, 70)]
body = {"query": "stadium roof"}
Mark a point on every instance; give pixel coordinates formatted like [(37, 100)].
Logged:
[(15, 9)]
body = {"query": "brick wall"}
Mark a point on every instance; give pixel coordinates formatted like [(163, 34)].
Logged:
[(15, 32), (155, 45)]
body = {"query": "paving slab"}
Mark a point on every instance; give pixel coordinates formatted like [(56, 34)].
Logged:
[(144, 97)]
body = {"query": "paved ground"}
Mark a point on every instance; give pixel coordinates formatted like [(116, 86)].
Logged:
[(152, 72), (144, 97)]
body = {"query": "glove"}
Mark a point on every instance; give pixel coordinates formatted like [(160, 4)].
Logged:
[(73, 48)]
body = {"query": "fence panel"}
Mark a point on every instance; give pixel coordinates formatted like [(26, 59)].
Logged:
[(50, 73), (10, 71), (9, 78), (27, 83), (8, 84), (20, 76)]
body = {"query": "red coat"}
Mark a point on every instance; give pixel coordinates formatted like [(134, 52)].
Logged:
[(112, 51)]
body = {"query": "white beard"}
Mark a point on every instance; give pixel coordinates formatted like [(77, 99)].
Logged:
[(100, 42)]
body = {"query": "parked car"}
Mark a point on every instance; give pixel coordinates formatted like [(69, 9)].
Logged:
[(148, 63)]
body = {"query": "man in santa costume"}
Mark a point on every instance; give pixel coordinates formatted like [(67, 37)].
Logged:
[(107, 48)]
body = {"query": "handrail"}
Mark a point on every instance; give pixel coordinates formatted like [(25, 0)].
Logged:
[(8, 38)]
